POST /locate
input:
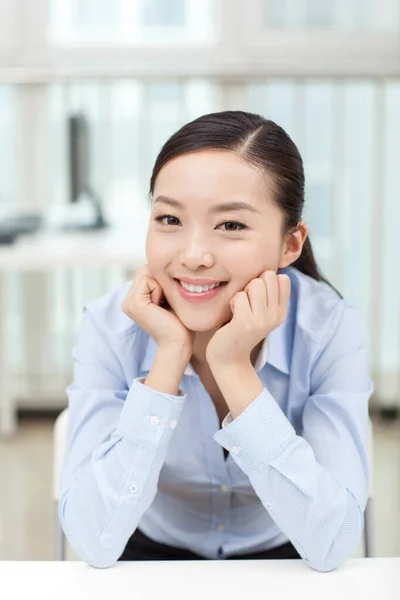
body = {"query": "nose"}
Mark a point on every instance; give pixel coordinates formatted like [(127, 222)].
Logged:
[(196, 253)]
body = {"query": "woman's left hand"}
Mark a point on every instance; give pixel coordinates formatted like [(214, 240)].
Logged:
[(257, 310)]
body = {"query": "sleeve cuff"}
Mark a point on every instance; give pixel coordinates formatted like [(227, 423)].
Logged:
[(147, 415), (258, 435)]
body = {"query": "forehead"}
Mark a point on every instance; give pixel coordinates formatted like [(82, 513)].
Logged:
[(212, 175)]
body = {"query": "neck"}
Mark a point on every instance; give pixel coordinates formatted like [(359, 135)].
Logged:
[(200, 342)]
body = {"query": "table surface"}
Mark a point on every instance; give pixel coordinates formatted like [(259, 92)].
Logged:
[(118, 246), (121, 246), (357, 579)]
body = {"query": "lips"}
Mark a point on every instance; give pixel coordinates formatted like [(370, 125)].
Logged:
[(199, 288), (198, 296), (199, 281)]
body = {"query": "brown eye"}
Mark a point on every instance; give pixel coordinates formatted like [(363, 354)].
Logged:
[(235, 224), (161, 218)]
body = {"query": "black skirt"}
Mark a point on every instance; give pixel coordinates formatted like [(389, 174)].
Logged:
[(140, 547)]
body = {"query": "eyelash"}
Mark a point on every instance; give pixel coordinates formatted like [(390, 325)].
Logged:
[(161, 217)]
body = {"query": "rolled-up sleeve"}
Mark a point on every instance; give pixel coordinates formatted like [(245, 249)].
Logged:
[(314, 485), (117, 440)]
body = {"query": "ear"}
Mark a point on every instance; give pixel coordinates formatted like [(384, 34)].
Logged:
[(293, 245)]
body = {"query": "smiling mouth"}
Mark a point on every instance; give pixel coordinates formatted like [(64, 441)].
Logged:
[(200, 289), (197, 296)]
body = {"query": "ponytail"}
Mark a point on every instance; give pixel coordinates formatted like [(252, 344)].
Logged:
[(306, 264)]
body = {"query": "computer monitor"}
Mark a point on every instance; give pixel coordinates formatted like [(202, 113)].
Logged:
[(79, 170), (78, 156)]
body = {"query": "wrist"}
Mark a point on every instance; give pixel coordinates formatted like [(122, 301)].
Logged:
[(166, 373), (176, 352), (239, 383), (223, 364)]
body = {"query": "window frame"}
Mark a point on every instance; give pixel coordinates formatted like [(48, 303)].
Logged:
[(241, 48)]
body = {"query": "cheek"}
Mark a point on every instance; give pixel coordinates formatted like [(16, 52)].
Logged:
[(250, 262), (155, 252)]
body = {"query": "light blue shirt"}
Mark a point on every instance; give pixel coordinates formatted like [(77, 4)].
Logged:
[(297, 468)]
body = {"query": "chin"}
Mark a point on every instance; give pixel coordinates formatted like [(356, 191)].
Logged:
[(196, 324)]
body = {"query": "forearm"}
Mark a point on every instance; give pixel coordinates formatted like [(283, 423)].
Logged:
[(319, 514), (99, 534), (107, 487), (239, 384), (167, 370)]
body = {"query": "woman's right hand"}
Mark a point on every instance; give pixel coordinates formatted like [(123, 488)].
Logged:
[(142, 305)]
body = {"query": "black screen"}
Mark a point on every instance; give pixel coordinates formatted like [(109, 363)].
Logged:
[(78, 155)]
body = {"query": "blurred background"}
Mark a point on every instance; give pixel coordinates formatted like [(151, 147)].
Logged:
[(89, 91)]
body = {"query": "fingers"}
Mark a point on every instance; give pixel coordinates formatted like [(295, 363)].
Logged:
[(145, 287), (278, 287), (284, 284), (144, 270), (271, 283), (271, 291), (240, 303), (154, 288), (257, 294)]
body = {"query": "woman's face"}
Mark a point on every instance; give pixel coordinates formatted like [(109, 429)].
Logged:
[(200, 240)]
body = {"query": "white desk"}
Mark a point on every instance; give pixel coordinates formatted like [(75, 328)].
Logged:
[(48, 250), (357, 579), (123, 248)]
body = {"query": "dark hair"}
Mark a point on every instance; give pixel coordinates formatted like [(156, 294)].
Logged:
[(261, 143)]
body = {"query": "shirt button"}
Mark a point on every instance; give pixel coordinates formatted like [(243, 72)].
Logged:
[(235, 450), (154, 420), (172, 424), (269, 506), (221, 527), (224, 488), (134, 488)]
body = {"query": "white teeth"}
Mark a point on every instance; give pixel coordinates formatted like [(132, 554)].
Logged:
[(199, 289)]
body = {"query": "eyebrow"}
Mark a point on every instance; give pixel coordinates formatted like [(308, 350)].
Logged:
[(217, 208)]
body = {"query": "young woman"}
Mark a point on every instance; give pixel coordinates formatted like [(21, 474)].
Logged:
[(219, 407)]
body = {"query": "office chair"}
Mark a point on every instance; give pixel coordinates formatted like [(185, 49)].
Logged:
[(59, 440), (368, 519)]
